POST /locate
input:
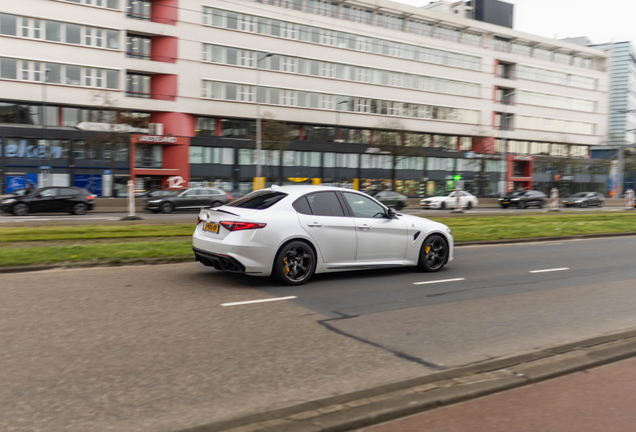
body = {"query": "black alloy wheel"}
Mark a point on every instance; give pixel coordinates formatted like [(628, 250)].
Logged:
[(167, 207), (20, 209), (295, 263), (504, 206), (434, 254), (399, 206), (584, 204), (443, 206), (541, 204), (79, 209), (521, 205), (469, 205)]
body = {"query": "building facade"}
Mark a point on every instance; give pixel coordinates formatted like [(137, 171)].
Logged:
[(365, 94)]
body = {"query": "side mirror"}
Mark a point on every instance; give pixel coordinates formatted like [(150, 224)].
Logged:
[(391, 213)]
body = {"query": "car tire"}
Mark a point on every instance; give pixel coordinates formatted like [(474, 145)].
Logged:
[(504, 206), (295, 263), (167, 207), (541, 204), (79, 209), (469, 205), (399, 206), (434, 254), (20, 209), (442, 206), (521, 205), (155, 211), (600, 204), (584, 204)]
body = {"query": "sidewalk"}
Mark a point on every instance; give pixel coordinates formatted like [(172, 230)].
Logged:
[(595, 400)]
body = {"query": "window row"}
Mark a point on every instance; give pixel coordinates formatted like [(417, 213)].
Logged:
[(110, 4), (380, 19), (277, 96), (555, 125), (56, 31), (56, 73), (288, 30), (554, 77), (555, 101), (239, 57), (520, 48)]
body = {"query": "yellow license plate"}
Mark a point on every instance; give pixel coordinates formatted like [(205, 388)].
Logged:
[(211, 227), (506, 202)]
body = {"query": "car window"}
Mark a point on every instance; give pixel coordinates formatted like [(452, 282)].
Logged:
[(68, 191), (259, 199), (381, 194), (324, 204), (204, 192), (302, 206), (191, 193), (48, 192), (362, 206)]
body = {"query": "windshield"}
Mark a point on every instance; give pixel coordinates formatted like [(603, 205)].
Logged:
[(579, 195), (258, 200), (518, 193)]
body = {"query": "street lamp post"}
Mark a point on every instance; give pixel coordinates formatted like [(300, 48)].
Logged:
[(338, 139), (504, 152), (259, 143)]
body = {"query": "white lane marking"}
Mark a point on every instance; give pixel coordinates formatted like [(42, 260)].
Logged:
[(438, 281), (549, 270), (258, 301)]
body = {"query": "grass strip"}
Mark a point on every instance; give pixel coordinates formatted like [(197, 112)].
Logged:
[(111, 253), (90, 232), (542, 225)]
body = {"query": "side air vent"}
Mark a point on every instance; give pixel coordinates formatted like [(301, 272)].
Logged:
[(416, 235)]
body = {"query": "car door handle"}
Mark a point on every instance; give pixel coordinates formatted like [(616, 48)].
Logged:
[(315, 224), (364, 227)]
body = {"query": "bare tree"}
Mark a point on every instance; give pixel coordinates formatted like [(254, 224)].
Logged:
[(276, 137), (390, 138)]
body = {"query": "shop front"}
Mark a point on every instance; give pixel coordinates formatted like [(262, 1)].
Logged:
[(159, 162)]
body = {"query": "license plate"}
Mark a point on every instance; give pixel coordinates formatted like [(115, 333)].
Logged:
[(211, 227), (506, 202)]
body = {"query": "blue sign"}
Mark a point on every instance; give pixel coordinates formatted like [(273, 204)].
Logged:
[(92, 183), (32, 180), (107, 172), (15, 182)]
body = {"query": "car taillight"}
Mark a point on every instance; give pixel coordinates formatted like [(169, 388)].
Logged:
[(199, 220), (239, 226), (229, 195), (90, 197)]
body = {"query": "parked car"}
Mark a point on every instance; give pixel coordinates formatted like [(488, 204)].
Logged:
[(50, 199), (524, 198), (154, 193), (391, 199), (584, 199), (466, 200), (187, 199), (292, 232)]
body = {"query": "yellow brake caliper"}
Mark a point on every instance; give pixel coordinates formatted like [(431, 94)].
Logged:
[(286, 266), (428, 249)]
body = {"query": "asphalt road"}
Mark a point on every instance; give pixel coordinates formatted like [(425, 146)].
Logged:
[(107, 217), (161, 348)]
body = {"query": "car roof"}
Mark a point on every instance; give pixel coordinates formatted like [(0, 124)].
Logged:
[(300, 190)]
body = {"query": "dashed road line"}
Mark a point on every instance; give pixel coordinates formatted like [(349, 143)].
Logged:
[(549, 270), (258, 301), (438, 281)]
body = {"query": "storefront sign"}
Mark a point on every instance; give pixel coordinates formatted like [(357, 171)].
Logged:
[(156, 139), (176, 182), (26, 150), (108, 127), (522, 158)]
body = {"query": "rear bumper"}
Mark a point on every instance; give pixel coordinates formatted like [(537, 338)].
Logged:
[(219, 262)]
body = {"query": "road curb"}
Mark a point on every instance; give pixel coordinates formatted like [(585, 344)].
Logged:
[(368, 407)]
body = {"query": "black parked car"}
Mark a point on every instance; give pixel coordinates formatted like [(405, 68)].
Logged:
[(523, 199), (154, 193), (584, 199), (188, 199), (50, 199), (391, 199)]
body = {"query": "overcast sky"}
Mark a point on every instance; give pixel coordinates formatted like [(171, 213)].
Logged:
[(600, 20)]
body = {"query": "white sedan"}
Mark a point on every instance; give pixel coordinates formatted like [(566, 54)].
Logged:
[(466, 200), (292, 232)]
